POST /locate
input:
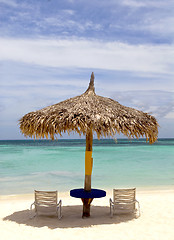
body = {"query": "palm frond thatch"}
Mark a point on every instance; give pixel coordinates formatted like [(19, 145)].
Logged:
[(88, 111)]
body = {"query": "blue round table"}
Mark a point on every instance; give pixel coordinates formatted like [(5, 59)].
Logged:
[(81, 193), (87, 196)]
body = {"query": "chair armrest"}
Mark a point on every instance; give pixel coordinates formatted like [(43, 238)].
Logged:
[(32, 205), (139, 214), (111, 202), (59, 203), (31, 210)]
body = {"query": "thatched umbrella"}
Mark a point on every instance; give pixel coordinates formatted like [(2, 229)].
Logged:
[(86, 114)]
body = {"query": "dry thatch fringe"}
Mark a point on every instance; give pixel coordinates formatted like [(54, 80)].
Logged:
[(88, 111)]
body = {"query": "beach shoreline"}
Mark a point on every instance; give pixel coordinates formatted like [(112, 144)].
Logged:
[(155, 223), (142, 189)]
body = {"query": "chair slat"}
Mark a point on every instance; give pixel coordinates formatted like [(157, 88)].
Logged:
[(46, 198)]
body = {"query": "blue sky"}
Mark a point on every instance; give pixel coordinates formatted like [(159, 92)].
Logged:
[(48, 49)]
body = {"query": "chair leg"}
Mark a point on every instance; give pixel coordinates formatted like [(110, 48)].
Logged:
[(59, 211), (111, 211), (31, 217), (111, 208)]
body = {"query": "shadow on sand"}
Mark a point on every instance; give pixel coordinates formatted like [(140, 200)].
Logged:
[(72, 218)]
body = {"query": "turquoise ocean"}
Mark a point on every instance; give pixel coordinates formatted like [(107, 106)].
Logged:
[(26, 165)]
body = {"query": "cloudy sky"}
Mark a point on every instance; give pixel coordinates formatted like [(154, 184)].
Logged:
[(48, 49)]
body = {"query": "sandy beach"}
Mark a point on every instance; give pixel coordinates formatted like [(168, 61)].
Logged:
[(156, 221)]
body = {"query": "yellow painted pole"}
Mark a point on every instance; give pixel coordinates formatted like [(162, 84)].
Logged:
[(88, 161)]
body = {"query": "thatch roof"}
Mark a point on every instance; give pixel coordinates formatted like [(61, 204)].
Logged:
[(88, 111)]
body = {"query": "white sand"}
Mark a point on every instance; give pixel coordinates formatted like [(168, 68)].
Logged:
[(156, 221)]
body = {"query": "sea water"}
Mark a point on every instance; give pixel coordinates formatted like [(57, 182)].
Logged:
[(26, 165)]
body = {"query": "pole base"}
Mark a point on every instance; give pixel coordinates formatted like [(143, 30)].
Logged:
[(86, 207)]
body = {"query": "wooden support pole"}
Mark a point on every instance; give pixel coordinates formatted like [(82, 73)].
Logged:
[(87, 184)]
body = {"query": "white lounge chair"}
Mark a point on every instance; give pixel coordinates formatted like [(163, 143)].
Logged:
[(46, 203), (124, 202)]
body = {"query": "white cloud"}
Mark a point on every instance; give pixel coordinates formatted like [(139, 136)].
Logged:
[(64, 23), (69, 12), (146, 3), (10, 3), (89, 54), (158, 103), (133, 3), (170, 115), (163, 26), (155, 16)]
